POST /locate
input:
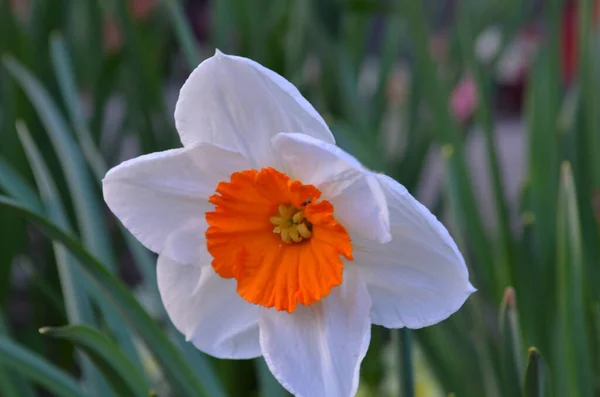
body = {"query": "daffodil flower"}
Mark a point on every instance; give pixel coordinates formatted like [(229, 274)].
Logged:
[(273, 241)]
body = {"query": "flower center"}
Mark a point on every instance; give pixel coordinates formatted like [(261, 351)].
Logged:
[(291, 224), (276, 238)]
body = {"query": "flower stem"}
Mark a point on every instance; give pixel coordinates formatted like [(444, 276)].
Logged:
[(407, 385)]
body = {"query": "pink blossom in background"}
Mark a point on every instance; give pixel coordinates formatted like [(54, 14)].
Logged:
[(20, 9), (113, 39), (141, 9), (464, 99)]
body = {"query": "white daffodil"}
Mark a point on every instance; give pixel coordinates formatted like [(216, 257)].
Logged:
[(273, 241)]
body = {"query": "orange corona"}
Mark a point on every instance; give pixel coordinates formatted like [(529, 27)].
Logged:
[(274, 236)]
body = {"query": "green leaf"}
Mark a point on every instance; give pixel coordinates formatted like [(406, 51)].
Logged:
[(183, 32), (587, 162), (123, 376), (368, 6), (37, 369), (12, 384), (66, 83), (87, 206), (142, 85), (511, 347), (200, 362), (394, 28), (14, 184), (8, 387), (462, 197), (542, 109), (407, 376), (172, 362), (484, 116), (571, 309), (64, 75), (92, 225), (535, 375), (221, 14), (75, 296), (73, 281)]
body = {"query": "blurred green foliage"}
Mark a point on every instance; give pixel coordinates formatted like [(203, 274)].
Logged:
[(86, 83)]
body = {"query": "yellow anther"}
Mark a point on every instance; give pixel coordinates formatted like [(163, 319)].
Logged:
[(298, 217), (277, 220), (285, 236), (291, 224), (303, 230), (294, 235), (286, 211)]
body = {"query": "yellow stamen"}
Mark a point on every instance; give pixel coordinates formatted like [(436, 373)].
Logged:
[(291, 224), (303, 230), (298, 217), (285, 236), (276, 220), (294, 235)]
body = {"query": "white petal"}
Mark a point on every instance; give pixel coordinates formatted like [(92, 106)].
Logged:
[(235, 102), (317, 349), (353, 190), (187, 245), (420, 277), (207, 309), (159, 193)]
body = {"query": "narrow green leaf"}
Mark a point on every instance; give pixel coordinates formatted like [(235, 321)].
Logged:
[(92, 225), (172, 362), (587, 165), (8, 388), (200, 362), (299, 17), (484, 117), (73, 281), (64, 75), (143, 85), (14, 185), (66, 83), (12, 384), (368, 6), (535, 375), (436, 93), (354, 39), (595, 320), (407, 381), (118, 370), (221, 14), (104, 86), (589, 83), (87, 206), (542, 112), (511, 345), (184, 32), (389, 54), (37, 369), (450, 354), (571, 308), (45, 287)]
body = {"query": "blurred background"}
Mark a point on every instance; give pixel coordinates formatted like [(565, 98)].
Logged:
[(487, 111)]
